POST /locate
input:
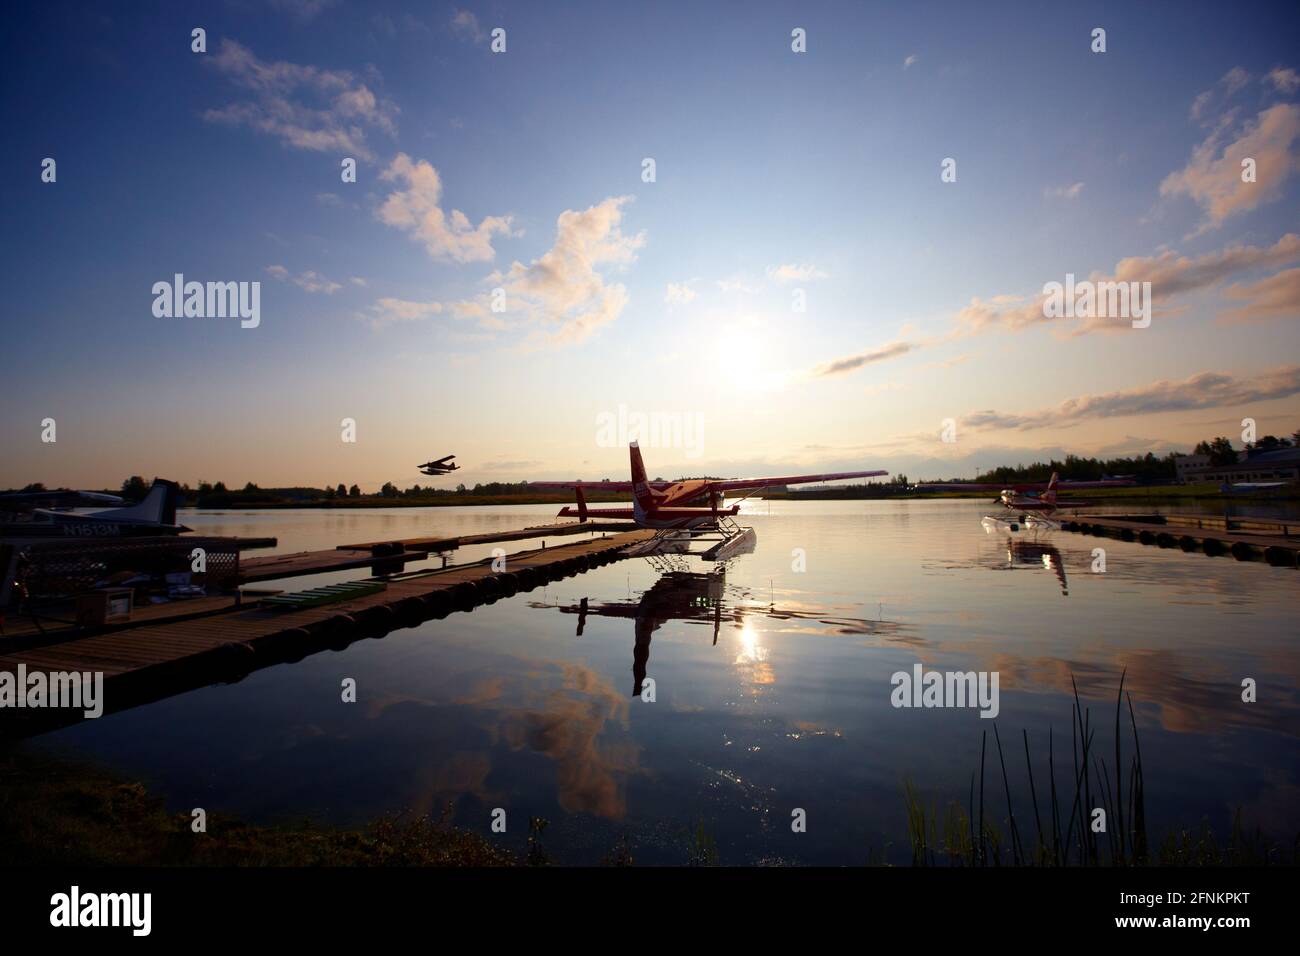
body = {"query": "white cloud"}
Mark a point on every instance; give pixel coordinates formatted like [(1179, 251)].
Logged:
[(794, 272), (679, 293), (303, 106), (416, 210), (1212, 177), (562, 292)]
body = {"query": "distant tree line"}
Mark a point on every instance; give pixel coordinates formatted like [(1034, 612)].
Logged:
[(1221, 451), (1145, 469)]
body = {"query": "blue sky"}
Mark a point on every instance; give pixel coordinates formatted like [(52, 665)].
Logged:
[(775, 171)]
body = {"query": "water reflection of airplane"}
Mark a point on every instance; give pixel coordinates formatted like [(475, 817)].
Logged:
[(1037, 554), (676, 596)]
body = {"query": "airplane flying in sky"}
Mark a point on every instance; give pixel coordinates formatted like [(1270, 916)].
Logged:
[(664, 504), (441, 466)]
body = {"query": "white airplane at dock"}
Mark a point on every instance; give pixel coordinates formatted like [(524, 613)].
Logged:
[(154, 515)]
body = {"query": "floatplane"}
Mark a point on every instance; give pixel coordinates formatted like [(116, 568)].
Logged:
[(440, 466), (666, 506), (1034, 502), (153, 516)]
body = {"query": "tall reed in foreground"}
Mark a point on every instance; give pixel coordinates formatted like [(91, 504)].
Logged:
[(1060, 837)]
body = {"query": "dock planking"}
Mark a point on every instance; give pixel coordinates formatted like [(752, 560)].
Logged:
[(1276, 543), (158, 660), (395, 553)]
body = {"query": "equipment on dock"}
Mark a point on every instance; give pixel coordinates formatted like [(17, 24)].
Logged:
[(439, 466), (330, 594)]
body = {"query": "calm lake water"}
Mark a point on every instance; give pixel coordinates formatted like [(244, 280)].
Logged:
[(773, 689)]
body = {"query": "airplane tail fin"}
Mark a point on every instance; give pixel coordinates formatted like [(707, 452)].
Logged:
[(582, 505), (1050, 495), (641, 489), (159, 505)]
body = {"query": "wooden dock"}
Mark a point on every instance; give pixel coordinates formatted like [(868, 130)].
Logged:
[(1275, 542), (388, 556), (153, 660)]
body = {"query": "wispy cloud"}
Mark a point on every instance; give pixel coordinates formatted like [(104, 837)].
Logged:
[(851, 363), (389, 310), (1283, 80), (1073, 191), (1213, 98), (1212, 177), (304, 107), (1275, 297), (465, 25), (305, 10), (309, 281), (416, 209), (795, 272), (1205, 390), (1169, 273)]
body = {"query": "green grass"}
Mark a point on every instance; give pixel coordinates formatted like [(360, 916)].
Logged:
[(53, 813)]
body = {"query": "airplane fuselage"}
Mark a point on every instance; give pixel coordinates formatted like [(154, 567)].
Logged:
[(1015, 501)]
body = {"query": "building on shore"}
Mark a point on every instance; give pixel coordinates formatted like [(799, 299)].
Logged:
[(1279, 464)]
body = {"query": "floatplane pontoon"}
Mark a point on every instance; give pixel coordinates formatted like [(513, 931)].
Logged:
[(1033, 502), (665, 506)]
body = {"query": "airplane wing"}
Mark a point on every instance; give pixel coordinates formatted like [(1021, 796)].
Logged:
[(1023, 486), (20, 500), (735, 484), (592, 485)]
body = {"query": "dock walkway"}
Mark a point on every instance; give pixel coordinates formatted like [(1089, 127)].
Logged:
[(156, 660), (395, 553)]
